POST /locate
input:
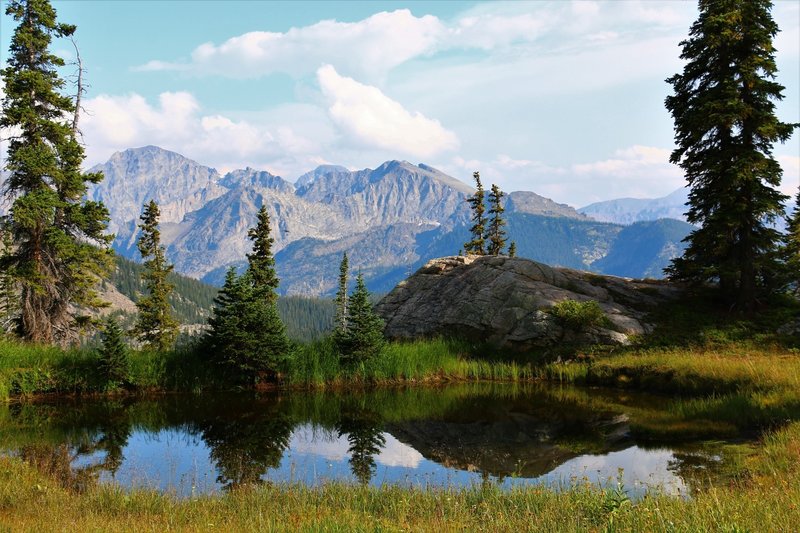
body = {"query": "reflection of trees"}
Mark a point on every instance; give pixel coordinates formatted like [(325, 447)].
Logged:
[(101, 427), (55, 461), (244, 448), (115, 429), (364, 433)]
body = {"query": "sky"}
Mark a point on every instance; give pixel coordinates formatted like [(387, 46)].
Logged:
[(562, 98)]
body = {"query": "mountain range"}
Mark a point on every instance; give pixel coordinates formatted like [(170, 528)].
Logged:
[(390, 220)]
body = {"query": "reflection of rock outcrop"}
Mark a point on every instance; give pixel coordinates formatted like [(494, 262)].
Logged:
[(526, 444)]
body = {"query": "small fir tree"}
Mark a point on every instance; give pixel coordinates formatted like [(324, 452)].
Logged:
[(363, 339), (155, 327), (340, 321), (725, 126), (113, 355), (60, 249), (476, 245), (495, 233), (512, 249)]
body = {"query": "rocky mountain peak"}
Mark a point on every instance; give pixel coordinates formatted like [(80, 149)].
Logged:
[(533, 204), (137, 175), (250, 177)]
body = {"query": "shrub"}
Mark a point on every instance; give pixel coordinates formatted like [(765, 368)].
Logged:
[(577, 315)]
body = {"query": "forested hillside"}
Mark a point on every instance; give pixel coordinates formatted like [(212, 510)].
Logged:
[(306, 319)]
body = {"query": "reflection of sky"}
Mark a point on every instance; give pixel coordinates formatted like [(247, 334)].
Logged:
[(174, 460), (641, 469)]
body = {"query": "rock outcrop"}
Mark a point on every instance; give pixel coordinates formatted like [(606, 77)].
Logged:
[(505, 301)]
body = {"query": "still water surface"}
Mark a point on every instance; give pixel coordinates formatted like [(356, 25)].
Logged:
[(454, 436)]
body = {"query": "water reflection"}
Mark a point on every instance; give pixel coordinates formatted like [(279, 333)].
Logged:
[(363, 429), (458, 435)]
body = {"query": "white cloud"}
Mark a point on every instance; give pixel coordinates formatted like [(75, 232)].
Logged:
[(373, 45), (369, 117), (114, 123)]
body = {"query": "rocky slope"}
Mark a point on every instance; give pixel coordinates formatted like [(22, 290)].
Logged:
[(505, 301)]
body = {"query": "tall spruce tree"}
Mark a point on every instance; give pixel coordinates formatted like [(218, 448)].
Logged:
[(261, 261), (476, 245), (495, 233), (340, 321), (725, 127), (155, 327), (60, 249), (247, 334)]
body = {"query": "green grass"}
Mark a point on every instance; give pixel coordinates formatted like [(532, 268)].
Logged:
[(764, 497), (28, 369), (435, 360)]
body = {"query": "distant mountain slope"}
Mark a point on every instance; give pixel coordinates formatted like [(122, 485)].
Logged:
[(630, 210), (306, 319), (390, 220), (644, 249)]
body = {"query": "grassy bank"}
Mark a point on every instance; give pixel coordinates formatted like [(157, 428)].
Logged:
[(27, 370), (764, 497)]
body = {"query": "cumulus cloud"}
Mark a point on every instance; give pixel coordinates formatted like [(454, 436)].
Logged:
[(373, 45), (369, 117), (176, 122)]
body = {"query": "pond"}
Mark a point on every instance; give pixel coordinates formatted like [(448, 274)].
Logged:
[(454, 436)]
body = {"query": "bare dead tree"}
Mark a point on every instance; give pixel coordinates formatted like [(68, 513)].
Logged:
[(80, 88)]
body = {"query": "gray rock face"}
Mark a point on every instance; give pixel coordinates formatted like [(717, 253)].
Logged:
[(135, 176), (505, 300), (533, 204)]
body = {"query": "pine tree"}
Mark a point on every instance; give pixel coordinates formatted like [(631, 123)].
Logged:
[(340, 322), (60, 250), (475, 246), (261, 261), (512, 249), (791, 248), (113, 355), (155, 327), (725, 127), (495, 234), (363, 339)]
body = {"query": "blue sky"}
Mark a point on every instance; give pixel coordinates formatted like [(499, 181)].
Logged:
[(561, 98)]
